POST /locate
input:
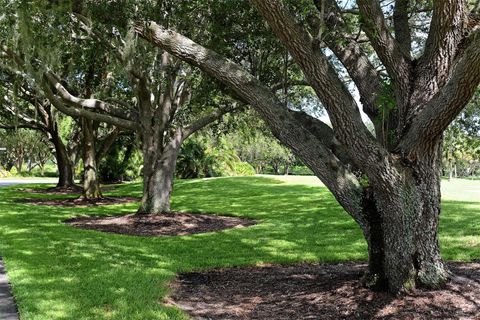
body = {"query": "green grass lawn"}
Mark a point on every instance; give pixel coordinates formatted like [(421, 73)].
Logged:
[(59, 272)]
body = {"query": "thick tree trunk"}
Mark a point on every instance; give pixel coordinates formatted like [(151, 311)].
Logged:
[(402, 233), (159, 171), (159, 183), (64, 165), (91, 185)]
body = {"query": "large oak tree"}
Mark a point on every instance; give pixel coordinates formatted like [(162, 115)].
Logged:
[(419, 89)]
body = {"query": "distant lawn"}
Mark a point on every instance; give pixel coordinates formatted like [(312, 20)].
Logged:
[(59, 272)]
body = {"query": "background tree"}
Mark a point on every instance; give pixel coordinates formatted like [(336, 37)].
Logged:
[(22, 107), (461, 150), (146, 91), (26, 149)]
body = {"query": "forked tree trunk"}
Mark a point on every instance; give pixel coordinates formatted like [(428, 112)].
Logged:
[(158, 179), (64, 165), (402, 236), (91, 185)]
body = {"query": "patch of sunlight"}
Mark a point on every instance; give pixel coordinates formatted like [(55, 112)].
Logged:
[(299, 180), (282, 244)]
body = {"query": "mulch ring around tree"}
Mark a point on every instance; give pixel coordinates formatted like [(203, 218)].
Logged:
[(80, 202), (64, 190), (318, 291), (154, 225)]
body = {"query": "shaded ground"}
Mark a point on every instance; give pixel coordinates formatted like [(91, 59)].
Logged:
[(160, 225), (64, 190), (79, 202), (313, 291)]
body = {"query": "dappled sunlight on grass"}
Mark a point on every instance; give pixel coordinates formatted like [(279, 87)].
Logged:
[(58, 271)]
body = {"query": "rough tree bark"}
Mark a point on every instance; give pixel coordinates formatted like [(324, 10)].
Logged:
[(398, 210), (64, 165), (91, 183), (159, 171)]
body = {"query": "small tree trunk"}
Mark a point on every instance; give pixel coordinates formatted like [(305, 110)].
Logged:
[(64, 165), (158, 179), (276, 169), (19, 164), (91, 185), (126, 158)]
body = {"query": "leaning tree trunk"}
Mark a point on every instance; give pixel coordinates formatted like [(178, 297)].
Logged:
[(403, 220), (64, 165), (158, 179), (91, 185)]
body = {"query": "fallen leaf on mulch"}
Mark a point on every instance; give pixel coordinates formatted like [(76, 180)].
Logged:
[(79, 202)]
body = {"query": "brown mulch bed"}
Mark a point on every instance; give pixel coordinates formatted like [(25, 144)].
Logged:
[(319, 291), (79, 202), (64, 191), (172, 224), (54, 190)]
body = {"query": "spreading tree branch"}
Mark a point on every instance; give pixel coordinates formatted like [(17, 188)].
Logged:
[(335, 97), (205, 121), (388, 49), (93, 104), (352, 56), (401, 24), (442, 109), (80, 112)]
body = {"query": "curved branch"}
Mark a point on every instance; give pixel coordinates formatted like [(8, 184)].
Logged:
[(447, 31), (93, 104), (386, 46), (339, 103), (80, 112), (204, 121), (449, 22), (353, 58)]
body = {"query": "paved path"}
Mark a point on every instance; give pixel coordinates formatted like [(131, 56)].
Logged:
[(11, 181), (8, 310)]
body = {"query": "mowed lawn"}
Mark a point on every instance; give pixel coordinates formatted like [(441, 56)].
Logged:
[(59, 272)]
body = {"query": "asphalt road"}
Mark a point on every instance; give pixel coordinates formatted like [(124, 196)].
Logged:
[(11, 181)]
